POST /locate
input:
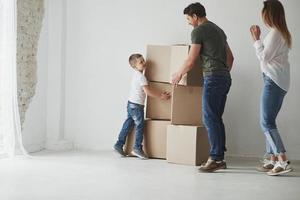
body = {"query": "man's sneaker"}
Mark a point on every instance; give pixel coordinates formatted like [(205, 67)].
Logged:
[(212, 165), (267, 165), (280, 168), (209, 158), (119, 150), (139, 153)]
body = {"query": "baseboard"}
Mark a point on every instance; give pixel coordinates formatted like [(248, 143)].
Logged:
[(259, 157), (244, 156), (59, 145), (36, 147)]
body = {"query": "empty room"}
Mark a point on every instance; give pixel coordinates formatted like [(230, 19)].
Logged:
[(140, 99)]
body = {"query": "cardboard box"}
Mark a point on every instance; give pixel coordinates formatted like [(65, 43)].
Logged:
[(187, 145), (157, 108), (155, 139), (163, 61), (184, 107)]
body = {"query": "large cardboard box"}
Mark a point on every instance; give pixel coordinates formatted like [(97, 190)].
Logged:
[(163, 61), (184, 107), (187, 144), (155, 139), (157, 108)]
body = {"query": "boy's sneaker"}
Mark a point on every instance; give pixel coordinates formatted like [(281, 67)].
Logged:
[(267, 165), (280, 168), (139, 153), (119, 150), (212, 165)]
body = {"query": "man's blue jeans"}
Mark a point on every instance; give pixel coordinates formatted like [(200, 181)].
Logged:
[(216, 88), (271, 101), (135, 116)]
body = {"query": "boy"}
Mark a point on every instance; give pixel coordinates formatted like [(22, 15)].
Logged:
[(135, 107)]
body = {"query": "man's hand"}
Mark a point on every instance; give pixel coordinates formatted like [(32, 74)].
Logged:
[(176, 77), (165, 96), (188, 63), (255, 32)]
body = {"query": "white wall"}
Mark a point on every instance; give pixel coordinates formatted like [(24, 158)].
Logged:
[(99, 37), (56, 10), (34, 127), (44, 120)]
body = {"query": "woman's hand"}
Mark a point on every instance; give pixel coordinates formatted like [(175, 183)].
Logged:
[(255, 32)]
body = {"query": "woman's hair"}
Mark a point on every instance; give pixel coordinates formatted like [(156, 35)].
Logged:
[(274, 16)]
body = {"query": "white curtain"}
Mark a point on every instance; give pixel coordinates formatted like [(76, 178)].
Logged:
[(10, 127)]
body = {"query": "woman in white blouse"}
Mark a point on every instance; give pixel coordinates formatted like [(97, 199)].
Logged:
[(273, 56)]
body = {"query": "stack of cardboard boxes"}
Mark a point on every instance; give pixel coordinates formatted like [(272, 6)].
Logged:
[(173, 129)]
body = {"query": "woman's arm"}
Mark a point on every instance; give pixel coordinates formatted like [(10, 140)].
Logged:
[(265, 52)]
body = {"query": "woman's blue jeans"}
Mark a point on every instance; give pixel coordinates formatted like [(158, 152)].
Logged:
[(271, 101)]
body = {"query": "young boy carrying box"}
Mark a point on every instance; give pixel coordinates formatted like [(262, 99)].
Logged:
[(135, 107)]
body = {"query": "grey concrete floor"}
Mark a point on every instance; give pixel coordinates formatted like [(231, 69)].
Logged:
[(87, 175)]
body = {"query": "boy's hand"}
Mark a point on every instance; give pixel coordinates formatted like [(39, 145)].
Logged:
[(165, 96)]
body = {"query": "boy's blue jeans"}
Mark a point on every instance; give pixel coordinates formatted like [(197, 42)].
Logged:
[(215, 90), (135, 116), (271, 101)]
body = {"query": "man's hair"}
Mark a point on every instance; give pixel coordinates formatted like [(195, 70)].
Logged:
[(195, 9), (132, 59)]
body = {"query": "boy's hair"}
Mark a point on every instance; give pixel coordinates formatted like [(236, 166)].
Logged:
[(195, 9), (132, 59)]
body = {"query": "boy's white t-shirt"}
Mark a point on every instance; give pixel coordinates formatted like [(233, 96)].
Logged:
[(137, 94)]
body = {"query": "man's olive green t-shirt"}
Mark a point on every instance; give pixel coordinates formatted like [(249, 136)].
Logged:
[(213, 48)]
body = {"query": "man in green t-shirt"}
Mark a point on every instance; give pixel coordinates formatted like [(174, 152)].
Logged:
[(210, 43)]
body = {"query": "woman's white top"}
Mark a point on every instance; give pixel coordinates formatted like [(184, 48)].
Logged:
[(273, 56)]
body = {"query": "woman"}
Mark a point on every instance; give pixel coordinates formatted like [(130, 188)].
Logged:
[(273, 56)]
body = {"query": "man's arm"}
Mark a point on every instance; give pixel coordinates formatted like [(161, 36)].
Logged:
[(230, 57), (188, 63)]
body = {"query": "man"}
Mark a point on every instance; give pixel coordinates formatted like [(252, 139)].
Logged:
[(210, 42)]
